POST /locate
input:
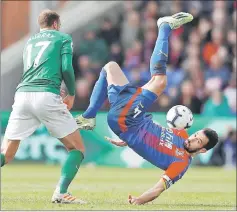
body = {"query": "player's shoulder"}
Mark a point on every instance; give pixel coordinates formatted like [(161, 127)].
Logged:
[(64, 36), (181, 133)]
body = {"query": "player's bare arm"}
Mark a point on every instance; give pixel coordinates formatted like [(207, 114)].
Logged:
[(68, 72), (149, 195)]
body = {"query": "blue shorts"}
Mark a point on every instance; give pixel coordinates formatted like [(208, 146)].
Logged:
[(128, 107)]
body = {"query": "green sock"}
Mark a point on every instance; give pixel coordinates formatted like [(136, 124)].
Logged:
[(2, 159), (70, 169)]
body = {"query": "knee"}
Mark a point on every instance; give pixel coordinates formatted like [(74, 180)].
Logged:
[(160, 82), (111, 66), (80, 148), (163, 83)]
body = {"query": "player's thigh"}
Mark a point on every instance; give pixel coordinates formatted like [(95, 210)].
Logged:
[(54, 114), (22, 122), (10, 148), (115, 75), (73, 141)]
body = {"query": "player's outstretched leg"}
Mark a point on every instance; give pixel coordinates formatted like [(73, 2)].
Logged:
[(111, 73), (159, 56)]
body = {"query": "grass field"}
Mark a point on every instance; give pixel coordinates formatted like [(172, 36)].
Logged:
[(29, 187)]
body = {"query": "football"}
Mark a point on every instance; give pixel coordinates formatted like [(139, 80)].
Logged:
[(179, 117)]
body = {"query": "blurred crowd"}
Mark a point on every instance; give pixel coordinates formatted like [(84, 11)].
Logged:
[(202, 56), (225, 152)]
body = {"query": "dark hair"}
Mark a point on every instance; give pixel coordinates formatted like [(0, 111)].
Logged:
[(47, 18), (212, 138)]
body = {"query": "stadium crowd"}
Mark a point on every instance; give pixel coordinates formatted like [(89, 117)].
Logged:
[(202, 57)]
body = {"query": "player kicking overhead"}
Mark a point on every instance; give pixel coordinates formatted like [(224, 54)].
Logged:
[(47, 59), (163, 147)]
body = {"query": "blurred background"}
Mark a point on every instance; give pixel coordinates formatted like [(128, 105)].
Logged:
[(201, 69)]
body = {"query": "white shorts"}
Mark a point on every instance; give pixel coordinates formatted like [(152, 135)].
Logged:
[(30, 109)]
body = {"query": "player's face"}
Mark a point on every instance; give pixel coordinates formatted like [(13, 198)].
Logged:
[(195, 143)]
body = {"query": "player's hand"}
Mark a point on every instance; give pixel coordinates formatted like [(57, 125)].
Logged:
[(134, 200), (63, 93), (69, 101), (116, 143)]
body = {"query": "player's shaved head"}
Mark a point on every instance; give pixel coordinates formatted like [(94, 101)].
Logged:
[(47, 18)]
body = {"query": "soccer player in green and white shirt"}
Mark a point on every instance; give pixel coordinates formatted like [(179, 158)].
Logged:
[(47, 59)]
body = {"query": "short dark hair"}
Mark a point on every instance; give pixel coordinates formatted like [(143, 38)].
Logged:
[(47, 18), (212, 138)]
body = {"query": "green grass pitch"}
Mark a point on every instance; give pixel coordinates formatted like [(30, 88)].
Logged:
[(30, 187)]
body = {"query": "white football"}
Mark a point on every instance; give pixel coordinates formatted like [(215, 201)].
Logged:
[(179, 117)]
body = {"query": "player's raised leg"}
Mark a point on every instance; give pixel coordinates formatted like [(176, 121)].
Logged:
[(159, 56), (111, 73)]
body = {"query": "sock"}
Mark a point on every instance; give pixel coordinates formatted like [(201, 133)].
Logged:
[(2, 159), (159, 56), (70, 169), (98, 96)]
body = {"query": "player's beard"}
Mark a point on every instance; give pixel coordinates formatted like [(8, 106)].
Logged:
[(191, 151)]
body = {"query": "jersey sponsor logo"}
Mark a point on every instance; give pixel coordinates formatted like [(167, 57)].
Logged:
[(166, 138), (167, 180)]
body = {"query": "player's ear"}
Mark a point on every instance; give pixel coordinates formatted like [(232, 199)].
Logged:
[(55, 25), (203, 150)]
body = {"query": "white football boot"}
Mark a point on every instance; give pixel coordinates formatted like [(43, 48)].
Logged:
[(176, 20), (85, 124), (66, 198)]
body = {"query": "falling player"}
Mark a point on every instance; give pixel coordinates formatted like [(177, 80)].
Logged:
[(47, 59), (163, 147)]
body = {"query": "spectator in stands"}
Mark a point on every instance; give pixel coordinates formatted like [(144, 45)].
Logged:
[(148, 45), (176, 51), (164, 103), (85, 69), (211, 48), (204, 29), (116, 54), (96, 49), (230, 93), (151, 10), (216, 105), (83, 90), (108, 32), (133, 57), (130, 29), (188, 98), (230, 149), (217, 69)]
